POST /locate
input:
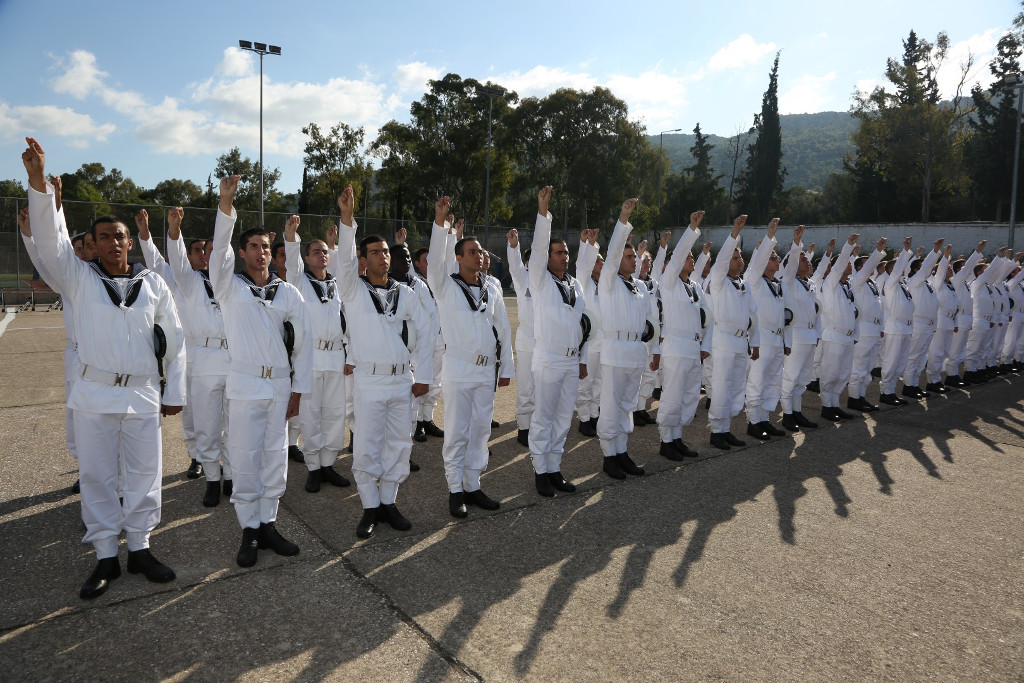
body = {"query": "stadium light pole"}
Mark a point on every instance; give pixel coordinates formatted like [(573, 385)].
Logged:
[(261, 49), (661, 163), (491, 94), (1016, 82)]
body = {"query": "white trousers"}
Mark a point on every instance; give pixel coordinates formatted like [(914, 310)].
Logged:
[(524, 381), (648, 380), (423, 406), (917, 357), (977, 343), (818, 350), (836, 362), (728, 382), (620, 389), (210, 417), (188, 429), (382, 442), (797, 369), (468, 411), (555, 392), (680, 394), (865, 355), (588, 401), (293, 431), (995, 345), (957, 350), (707, 371), (258, 453), (894, 361), (938, 352), (322, 419), (112, 446), (764, 383), (69, 422), (1012, 340)]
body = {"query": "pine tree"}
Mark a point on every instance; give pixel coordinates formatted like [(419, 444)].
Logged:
[(761, 182)]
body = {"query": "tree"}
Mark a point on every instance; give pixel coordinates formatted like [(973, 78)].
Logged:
[(12, 188), (176, 192), (332, 161), (761, 183), (737, 145), (248, 198), (706, 188)]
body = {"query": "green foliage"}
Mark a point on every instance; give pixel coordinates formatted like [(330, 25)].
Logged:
[(761, 182), (175, 192), (332, 161), (12, 188), (248, 198)]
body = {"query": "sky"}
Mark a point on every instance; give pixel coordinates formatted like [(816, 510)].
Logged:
[(160, 90)]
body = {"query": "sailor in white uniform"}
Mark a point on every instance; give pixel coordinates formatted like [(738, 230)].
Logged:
[(926, 311), (945, 322), (868, 299), (589, 264), (899, 319), (838, 332), (801, 334), (519, 270), (963, 272)]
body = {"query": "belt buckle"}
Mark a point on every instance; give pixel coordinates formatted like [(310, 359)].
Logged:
[(481, 359), (266, 373), (121, 380), (223, 343), (206, 342)]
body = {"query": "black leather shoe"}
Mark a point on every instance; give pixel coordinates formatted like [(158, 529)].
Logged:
[(143, 562), (628, 466), (842, 414), (351, 442), (457, 505), (391, 515), (860, 404), (831, 414), (247, 551), (876, 372), (333, 477), (937, 388), (98, 582), (420, 434), (77, 486), (481, 500), (684, 449), (955, 381), (707, 403), (227, 487), (789, 422), (612, 468), (413, 467), (368, 523), (433, 430), (642, 418), (733, 441), (803, 421), (890, 400), (543, 484), (211, 498), (495, 424), (668, 450), (588, 428), (560, 483), (523, 437), (656, 394), (814, 386), (719, 441), (195, 469), (269, 537), (296, 455), (911, 392), (313, 481), (755, 430), (771, 430)]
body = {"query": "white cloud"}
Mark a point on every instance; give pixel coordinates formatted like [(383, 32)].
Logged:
[(866, 85), (743, 51), (983, 47), (80, 77), (658, 99), (809, 95), (542, 80), (236, 63), (48, 120), (412, 78)]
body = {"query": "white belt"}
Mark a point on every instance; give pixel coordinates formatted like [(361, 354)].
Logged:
[(261, 371), (738, 333), (117, 379), (680, 334), (389, 369), (567, 351), (842, 331), (778, 331), (987, 318), (874, 321), (208, 342), (621, 335), (908, 323), (927, 322), (328, 345), (951, 316), (469, 357)]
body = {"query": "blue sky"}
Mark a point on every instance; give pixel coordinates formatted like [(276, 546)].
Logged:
[(157, 90)]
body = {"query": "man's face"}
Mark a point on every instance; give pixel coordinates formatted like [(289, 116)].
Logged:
[(687, 266), (377, 260), (773, 265), (736, 263), (256, 254), (317, 257), (89, 247), (79, 246), (421, 264), (645, 268), (197, 256), (627, 265), (280, 260), (804, 268), (112, 245), (487, 262), (472, 257), (558, 258)]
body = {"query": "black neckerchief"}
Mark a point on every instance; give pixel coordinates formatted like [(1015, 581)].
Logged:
[(325, 289), (205, 275), (596, 287), (136, 275), (265, 293), (929, 286), (773, 285), (387, 304), (477, 305), (737, 282), (807, 286), (871, 285), (630, 285), (847, 290), (906, 289), (949, 285), (691, 290), (565, 288), (649, 282)]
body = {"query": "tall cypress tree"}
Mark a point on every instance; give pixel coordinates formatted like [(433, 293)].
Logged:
[(761, 182)]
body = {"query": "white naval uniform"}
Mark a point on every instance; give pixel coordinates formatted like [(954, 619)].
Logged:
[(524, 336), (683, 339), (117, 398), (557, 311), (838, 330), (383, 375), (208, 360), (983, 317), (473, 333), (736, 329), (588, 399), (625, 307), (817, 278), (322, 412), (650, 378), (423, 406), (260, 382), (964, 315), (926, 311), (801, 333), (868, 299), (946, 301), (1002, 320), (1017, 327), (899, 320), (764, 375)]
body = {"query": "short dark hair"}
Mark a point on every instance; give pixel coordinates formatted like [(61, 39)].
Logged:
[(274, 248), (194, 241), (915, 265), (554, 241), (309, 244), (243, 239), (861, 260), (367, 241), (528, 253), (107, 219), (958, 264), (979, 269), (460, 243), (80, 237), (419, 253)]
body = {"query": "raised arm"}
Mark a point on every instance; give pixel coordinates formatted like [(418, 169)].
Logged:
[(720, 269), (617, 244), (516, 267), (293, 249), (541, 239), (347, 266), (861, 276), (679, 254), (437, 265), (792, 260), (55, 248), (586, 258), (832, 281), (967, 270), (222, 260), (759, 259)]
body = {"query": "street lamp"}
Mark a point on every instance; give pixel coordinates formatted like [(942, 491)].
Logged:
[(1016, 83), (661, 163), (261, 49), (491, 94)]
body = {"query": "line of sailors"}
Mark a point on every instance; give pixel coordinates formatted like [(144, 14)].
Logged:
[(351, 338)]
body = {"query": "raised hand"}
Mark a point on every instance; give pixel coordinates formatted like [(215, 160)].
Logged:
[(174, 217), (948, 250), (228, 190), (919, 252), (513, 238), (642, 248), (853, 238), (58, 190), (142, 223), (34, 159), (981, 246), (938, 245), (810, 248), (880, 245), (907, 241), (627, 210), (798, 234), (460, 228), (738, 224), (856, 250), (707, 248), (347, 206), (831, 247), (441, 209), (332, 237), (543, 200), (773, 226), (291, 227), (664, 239), (23, 222), (400, 235)]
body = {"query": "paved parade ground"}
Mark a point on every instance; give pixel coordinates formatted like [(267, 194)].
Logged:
[(888, 547)]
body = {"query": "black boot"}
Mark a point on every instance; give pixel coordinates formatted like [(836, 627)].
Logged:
[(755, 430), (719, 441), (828, 413), (588, 428), (612, 468), (559, 482), (295, 454), (195, 469), (955, 381), (420, 434), (107, 569), (814, 386), (368, 523), (413, 467), (143, 562), (789, 422), (211, 498), (803, 421), (269, 537), (228, 487), (457, 505), (351, 442), (733, 441), (77, 486), (389, 513), (523, 437), (890, 400), (313, 481), (333, 477), (771, 430), (628, 466), (247, 551), (433, 430), (668, 450), (481, 500), (937, 387), (543, 484), (684, 449)]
